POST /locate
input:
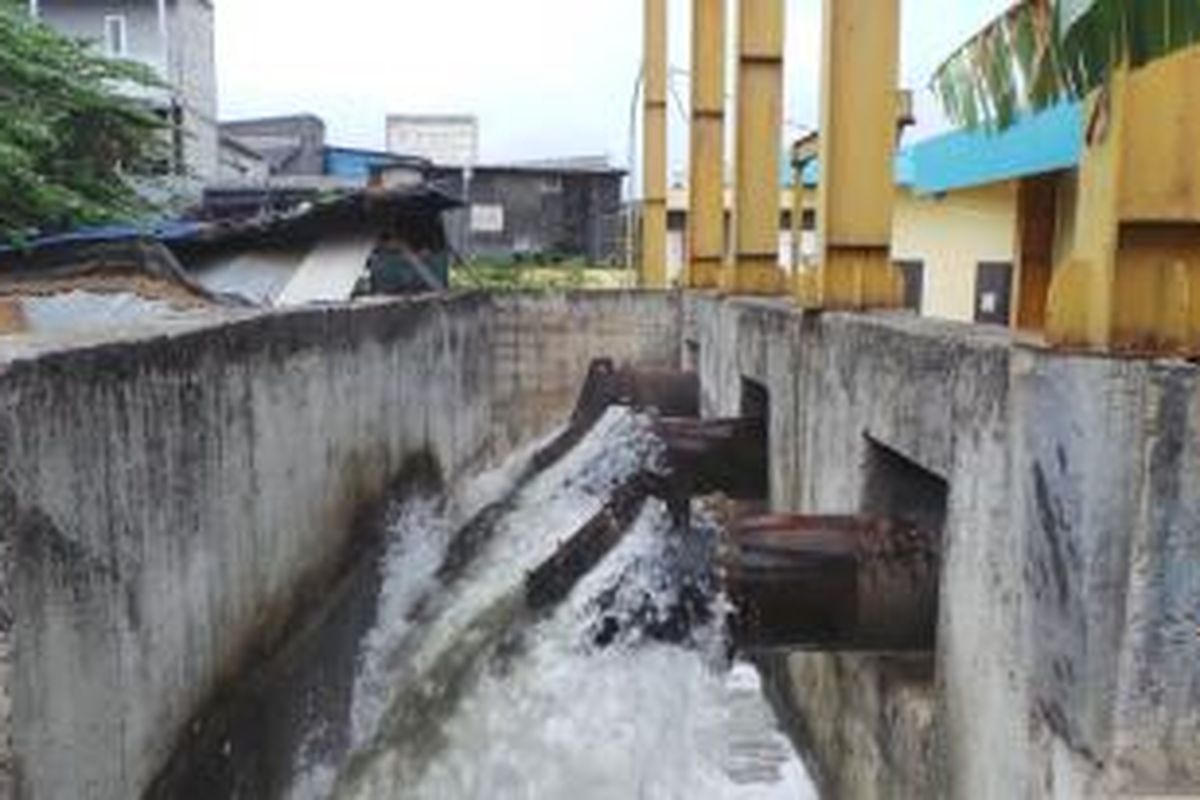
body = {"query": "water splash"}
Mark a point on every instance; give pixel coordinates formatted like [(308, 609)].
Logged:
[(463, 694)]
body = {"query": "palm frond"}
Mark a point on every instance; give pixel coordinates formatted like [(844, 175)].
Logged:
[(1041, 52)]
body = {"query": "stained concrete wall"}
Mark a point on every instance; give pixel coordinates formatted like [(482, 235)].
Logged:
[(1068, 656), (168, 500)]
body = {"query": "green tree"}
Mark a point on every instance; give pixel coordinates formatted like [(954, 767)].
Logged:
[(72, 138), (1041, 52)]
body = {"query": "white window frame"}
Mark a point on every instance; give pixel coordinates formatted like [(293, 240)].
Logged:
[(122, 25), (487, 218)]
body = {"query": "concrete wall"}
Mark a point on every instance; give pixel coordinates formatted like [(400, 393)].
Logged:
[(448, 141), (574, 214), (186, 61), (1068, 656), (292, 145), (193, 73), (6, 653), (166, 500), (169, 500), (86, 21)]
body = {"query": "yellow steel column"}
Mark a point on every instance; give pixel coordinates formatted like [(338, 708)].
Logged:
[(1132, 280), (859, 94), (706, 214), (654, 165), (759, 125)]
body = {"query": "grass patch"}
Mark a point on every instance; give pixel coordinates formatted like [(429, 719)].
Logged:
[(572, 275)]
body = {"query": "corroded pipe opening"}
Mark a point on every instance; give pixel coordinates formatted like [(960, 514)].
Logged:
[(832, 583), (728, 456)]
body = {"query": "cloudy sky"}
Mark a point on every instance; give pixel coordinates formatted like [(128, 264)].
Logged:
[(545, 77)]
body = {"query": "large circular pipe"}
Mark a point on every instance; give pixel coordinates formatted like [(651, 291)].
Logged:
[(832, 583)]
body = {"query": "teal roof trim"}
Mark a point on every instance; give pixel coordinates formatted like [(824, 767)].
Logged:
[(1036, 144), (1048, 141)]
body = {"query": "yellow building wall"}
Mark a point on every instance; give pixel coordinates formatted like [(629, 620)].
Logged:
[(951, 234)]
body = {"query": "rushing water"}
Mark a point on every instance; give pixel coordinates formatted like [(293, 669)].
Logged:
[(623, 691)]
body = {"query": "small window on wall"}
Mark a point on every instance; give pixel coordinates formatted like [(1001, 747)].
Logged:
[(914, 283), (993, 292), (487, 218), (115, 42)]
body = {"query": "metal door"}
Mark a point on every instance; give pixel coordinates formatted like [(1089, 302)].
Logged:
[(993, 292)]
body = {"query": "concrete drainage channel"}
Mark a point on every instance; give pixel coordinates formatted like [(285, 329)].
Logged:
[(557, 626), (168, 501)]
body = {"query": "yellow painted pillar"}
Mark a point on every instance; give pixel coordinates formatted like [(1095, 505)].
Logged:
[(759, 128), (654, 165), (706, 214), (1131, 283), (859, 94)]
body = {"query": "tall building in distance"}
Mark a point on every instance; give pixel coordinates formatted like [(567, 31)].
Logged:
[(446, 140), (173, 37)]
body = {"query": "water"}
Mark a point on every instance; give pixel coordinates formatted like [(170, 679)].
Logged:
[(460, 693)]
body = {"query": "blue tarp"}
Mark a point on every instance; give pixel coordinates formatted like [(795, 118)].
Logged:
[(165, 230), (356, 164)]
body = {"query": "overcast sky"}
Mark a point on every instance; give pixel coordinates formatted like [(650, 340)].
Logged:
[(545, 77)]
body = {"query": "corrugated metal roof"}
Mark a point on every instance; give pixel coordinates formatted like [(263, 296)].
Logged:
[(314, 216), (330, 271), (82, 311), (256, 275)]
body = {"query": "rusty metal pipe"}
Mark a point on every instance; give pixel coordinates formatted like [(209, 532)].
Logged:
[(669, 392), (832, 583), (672, 393), (722, 455)]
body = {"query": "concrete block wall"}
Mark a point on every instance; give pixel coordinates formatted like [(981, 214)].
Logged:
[(1068, 657), (6, 651), (192, 71), (170, 499)]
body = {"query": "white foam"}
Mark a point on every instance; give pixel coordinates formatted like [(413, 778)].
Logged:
[(562, 719)]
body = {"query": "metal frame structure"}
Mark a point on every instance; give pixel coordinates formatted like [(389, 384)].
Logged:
[(1128, 283), (759, 125), (706, 215), (654, 166), (1131, 282)]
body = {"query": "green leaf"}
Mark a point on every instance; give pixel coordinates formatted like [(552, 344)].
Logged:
[(1041, 52), (70, 140)]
